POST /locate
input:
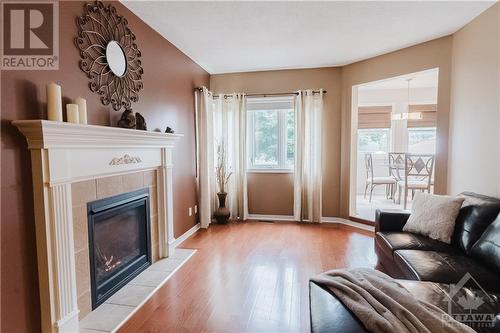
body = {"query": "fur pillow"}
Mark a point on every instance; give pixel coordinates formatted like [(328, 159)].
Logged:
[(434, 216)]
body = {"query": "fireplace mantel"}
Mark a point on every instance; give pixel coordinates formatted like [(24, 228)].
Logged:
[(64, 153), (45, 134)]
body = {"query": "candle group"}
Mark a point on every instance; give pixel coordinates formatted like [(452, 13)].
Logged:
[(75, 113)]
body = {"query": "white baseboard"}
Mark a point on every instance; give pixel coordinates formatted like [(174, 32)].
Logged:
[(286, 218), (289, 218), (339, 220), (178, 241)]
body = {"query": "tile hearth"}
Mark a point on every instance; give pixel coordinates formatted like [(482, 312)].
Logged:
[(110, 315)]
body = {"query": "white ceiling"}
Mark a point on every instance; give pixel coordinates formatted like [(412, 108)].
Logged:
[(423, 79), (244, 36)]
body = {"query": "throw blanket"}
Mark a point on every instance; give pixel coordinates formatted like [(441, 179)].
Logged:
[(384, 305)]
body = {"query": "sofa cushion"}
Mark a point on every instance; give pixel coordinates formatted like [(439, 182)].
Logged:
[(471, 222), (389, 242), (434, 216), (444, 267), (487, 248)]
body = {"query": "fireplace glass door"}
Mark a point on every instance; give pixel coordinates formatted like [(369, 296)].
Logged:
[(119, 242)]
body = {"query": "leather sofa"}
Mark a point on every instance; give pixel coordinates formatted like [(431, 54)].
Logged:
[(414, 257), (427, 267)]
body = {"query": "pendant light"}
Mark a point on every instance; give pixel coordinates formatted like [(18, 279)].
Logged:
[(407, 115)]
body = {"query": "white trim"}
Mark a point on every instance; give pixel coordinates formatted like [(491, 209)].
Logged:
[(45, 134), (286, 218), (339, 220), (291, 218), (270, 170), (282, 115), (178, 241)]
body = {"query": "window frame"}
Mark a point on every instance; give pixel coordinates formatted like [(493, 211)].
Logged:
[(282, 166)]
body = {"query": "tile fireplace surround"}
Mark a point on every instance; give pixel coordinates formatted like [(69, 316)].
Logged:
[(73, 164)]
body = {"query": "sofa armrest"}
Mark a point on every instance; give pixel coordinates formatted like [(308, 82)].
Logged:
[(390, 220)]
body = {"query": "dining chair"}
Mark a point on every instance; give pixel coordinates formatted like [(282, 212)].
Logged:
[(396, 163), (372, 181), (418, 175)]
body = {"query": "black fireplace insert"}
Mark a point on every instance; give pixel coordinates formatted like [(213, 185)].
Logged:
[(119, 242)]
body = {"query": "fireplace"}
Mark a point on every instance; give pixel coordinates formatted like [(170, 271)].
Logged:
[(119, 242)]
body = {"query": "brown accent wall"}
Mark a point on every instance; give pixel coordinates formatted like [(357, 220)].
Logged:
[(167, 99), (436, 53), (279, 187)]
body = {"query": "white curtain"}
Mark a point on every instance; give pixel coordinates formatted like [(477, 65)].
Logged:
[(221, 120), (308, 156), (204, 154)]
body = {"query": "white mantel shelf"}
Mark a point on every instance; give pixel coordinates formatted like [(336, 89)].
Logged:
[(45, 134), (62, 154)]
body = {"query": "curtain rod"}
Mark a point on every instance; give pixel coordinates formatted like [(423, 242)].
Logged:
[(265, 95)]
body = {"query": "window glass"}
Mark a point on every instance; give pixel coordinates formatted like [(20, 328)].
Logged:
[(266, 138), (271, 133), (373, 140), (422, 140)]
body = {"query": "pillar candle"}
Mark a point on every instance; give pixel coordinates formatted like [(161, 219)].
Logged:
[(54, 102), (82, 109), (72, 113)]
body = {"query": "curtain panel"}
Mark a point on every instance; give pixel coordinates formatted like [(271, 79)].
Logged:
[(308, 156), (221, 121)]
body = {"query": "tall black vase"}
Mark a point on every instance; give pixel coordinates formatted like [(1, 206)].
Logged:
[(222, 213)]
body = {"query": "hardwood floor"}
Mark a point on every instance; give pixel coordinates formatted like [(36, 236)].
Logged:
[(251, 277)]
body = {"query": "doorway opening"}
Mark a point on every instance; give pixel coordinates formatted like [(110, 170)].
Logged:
[(393, 142)]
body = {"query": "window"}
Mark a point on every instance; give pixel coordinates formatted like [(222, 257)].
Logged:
[(373, 140), (271, 133), (422, 140)]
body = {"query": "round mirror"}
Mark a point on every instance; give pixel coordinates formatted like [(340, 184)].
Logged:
[(116, 58)]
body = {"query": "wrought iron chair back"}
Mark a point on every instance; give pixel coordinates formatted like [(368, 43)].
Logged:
[(369, 166), (395, 161), (419, 167)]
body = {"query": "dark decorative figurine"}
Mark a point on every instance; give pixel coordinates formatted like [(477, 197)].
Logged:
[(127, 119), (169, 130), (140, 122)]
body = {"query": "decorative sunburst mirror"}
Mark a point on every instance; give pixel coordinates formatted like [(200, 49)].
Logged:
[(109, 55)]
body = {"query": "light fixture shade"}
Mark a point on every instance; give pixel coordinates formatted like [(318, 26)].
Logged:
[(397, 116), (406, 116), (414, 115)]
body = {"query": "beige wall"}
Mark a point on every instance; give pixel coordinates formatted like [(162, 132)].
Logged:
[(436, 53), (474, 157), (287, 81), (271, 193), (474, 122)]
